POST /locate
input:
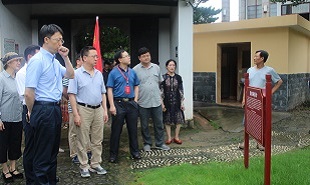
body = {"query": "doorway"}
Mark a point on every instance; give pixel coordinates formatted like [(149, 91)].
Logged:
[(234, 60)]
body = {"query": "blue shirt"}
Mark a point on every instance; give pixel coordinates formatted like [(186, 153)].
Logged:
[(117, 82), (44, 73), (88, 89)]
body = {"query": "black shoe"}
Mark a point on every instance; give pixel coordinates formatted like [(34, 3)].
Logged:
[(7, 179), (112, 160), (57, 179), (136, 157)]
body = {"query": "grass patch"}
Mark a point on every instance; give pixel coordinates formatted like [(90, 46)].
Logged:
[(287, 169)]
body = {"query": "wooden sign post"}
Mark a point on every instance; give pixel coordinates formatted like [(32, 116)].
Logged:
[(258, 121)]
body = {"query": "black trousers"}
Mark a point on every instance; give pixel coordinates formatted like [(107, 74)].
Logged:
[(10, 141), (124, 111), (45, 122), (28, 153)]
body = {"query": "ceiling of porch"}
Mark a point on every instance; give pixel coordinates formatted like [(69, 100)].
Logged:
[(147, 2)]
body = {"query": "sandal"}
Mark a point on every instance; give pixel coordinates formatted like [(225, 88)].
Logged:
[(16, 174), (178, 141), (7, 179), (168, 142)]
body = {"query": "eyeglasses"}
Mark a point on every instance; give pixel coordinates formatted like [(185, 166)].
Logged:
[(59, 40), (94, 56), (126, 56)]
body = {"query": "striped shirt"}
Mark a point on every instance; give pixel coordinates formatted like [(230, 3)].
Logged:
[(10, 104), (65, 83)]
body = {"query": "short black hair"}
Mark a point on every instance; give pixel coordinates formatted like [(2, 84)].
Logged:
[(264, 54), (108, 61), (142, 51), (78, 57), (118, 55), (48, 31), (85, 50), (30, 50), (171, 60)]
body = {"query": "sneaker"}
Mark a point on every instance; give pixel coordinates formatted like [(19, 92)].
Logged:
[(260, 147), (147, 148), (241, 146), (163, 147), (75, 160), (99, 170), (89, 155), (84, 173), (61, 150)]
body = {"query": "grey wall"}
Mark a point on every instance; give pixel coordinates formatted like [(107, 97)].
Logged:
[(204, 86), (293, 92)]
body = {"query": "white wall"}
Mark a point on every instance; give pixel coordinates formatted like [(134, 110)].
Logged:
[(34, 32), (182, 39), (163, 43), (15, 24)]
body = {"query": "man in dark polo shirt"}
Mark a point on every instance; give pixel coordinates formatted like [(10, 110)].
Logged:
[(123, 96)]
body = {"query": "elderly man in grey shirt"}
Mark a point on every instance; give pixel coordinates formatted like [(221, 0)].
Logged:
[(150, 102)]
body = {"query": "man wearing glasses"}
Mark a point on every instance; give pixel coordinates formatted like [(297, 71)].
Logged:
[(42, 95), (88, 101)]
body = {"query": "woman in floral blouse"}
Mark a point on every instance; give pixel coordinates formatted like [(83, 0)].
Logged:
[(173, 100)]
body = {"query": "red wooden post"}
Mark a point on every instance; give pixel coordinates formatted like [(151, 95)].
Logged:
[(268, 130), (246, 135)]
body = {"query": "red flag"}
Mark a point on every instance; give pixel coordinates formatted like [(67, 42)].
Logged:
[(96, 44)]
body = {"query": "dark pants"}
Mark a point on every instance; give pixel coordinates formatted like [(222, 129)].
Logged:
[(28, 153), (45, 122), (124, 111), (10, 141), (157, 117)]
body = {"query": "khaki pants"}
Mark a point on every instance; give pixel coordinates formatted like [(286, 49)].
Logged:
[(72, 137), (90, 130)]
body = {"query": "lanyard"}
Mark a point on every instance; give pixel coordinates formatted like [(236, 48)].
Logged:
[(125, 77)]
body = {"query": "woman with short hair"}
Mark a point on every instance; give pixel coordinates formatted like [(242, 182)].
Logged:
[(10, 118)]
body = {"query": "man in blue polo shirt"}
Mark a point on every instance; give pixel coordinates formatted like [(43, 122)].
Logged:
[(123, 96), (42, 95)]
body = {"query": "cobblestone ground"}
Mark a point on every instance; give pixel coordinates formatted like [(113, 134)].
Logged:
[(201, 144)]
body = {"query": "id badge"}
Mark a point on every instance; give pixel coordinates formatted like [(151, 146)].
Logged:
[(127, 89)]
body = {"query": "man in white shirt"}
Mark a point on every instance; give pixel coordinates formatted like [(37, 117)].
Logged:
[(30, 51)]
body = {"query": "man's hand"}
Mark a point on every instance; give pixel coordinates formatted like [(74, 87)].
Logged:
[(77, 120), (243, 103), (113, 110), (28, 117), (1, 126), (105, 116), (63, 51), (163, 107)]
